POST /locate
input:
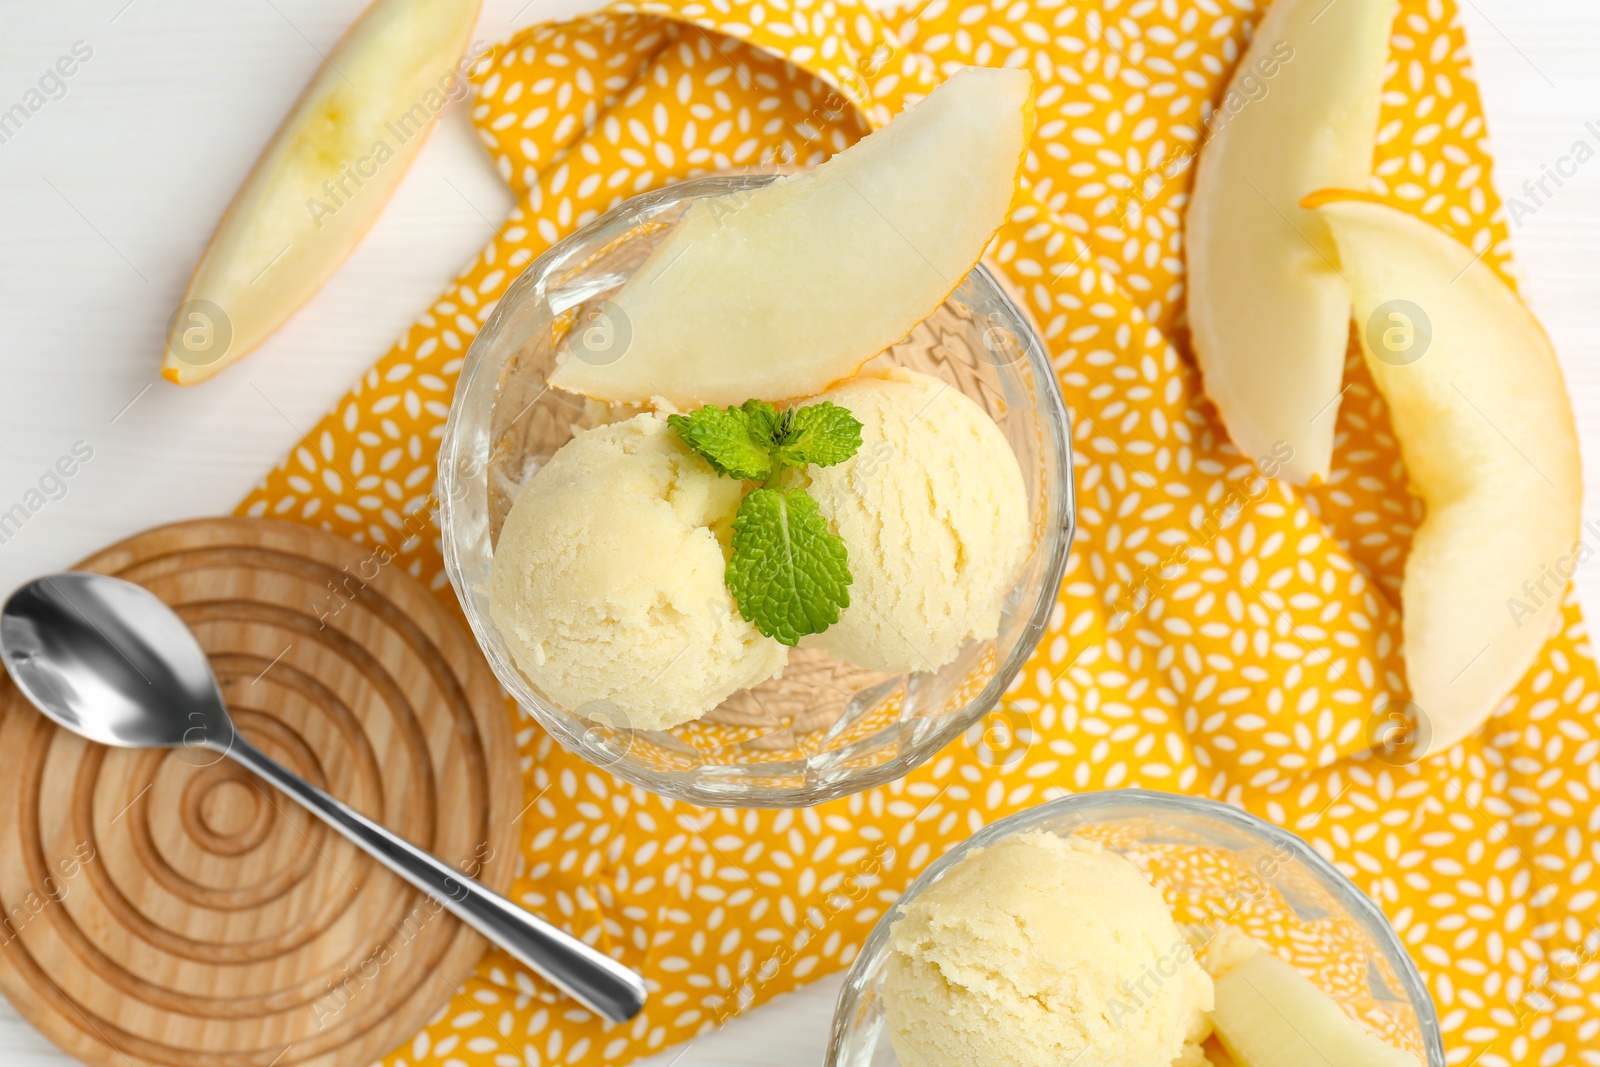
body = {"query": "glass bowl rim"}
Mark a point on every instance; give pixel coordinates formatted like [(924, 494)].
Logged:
[(1362, 907), (1060, 521)]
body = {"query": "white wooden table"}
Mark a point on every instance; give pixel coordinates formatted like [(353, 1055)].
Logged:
[(108, 193)]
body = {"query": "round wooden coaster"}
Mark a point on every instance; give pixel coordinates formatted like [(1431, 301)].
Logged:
[(166, 909)]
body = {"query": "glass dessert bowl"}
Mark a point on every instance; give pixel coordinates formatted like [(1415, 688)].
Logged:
[(824, 727), (1215, 866)]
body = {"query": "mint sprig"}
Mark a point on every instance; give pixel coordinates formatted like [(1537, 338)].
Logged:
[(789, 574)]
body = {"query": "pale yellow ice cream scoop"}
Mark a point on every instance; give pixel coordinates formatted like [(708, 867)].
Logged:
[(1041, 951), (933, 516), (608, 581)]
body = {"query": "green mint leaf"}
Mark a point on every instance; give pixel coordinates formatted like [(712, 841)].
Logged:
[(823, 434), (788, 574), (766, 421), (736, 441)]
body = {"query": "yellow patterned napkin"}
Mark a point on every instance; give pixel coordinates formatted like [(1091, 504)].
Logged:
[(1217, 634)]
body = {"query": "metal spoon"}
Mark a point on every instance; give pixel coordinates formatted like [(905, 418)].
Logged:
[(109, 660)]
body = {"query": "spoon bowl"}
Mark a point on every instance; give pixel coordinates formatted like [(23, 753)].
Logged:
[(110, 661)]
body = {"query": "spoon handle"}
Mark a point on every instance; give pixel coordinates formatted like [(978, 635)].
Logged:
[(591, 977)]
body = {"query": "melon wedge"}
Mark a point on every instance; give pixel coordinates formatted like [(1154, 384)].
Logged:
[(322, 181), (1269, 314), (1489, 442), (782, 291), (1270, 1015)]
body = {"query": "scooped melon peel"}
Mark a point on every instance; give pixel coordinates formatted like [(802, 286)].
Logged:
[(1478, 404), (781, 291), (322, 181)]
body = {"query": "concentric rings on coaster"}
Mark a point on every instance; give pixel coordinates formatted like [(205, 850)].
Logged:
[(164, 908)]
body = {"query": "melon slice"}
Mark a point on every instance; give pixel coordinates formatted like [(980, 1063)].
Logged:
[(782, 291), (1268, 312), (1489, 442), (1270, 1015), (322, 181)]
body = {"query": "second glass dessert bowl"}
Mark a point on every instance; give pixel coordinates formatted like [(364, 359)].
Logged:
[(824, 728), (1214, 865)]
